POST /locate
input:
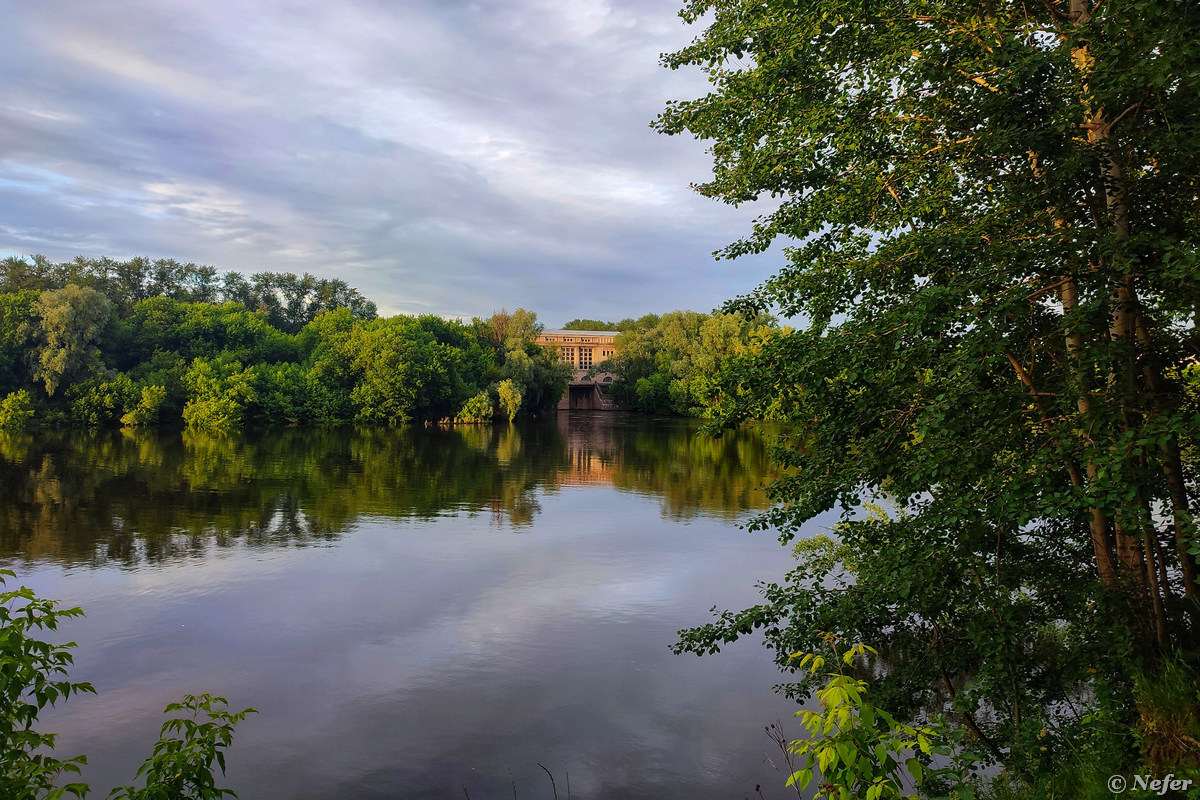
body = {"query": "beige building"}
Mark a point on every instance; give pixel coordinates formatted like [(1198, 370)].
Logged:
[(584, 350), (581, 349)]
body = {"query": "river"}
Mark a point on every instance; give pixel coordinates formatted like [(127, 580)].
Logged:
[(414, 612)]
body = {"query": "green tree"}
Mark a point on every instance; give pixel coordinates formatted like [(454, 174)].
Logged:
[(539, 375), (16, 328), (102, 400), (165, 369), (507, 351), (283, 393), (203, 330), (671, 365), (510, 398), (19, 275), (992, 210), (643, 322), (326, 351), (855, 749), (289, 302), (405, 372), (504, 330), (69, 321), (523, 326)]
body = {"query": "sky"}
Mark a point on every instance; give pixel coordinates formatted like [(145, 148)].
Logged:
[(442, 156)]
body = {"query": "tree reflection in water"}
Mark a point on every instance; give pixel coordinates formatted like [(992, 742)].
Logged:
[(135, 496)]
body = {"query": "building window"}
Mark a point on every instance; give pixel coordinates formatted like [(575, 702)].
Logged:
[(585, 358), (568, 354)]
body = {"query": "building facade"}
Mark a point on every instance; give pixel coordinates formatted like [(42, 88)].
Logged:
[(584, 350), (581, 349)]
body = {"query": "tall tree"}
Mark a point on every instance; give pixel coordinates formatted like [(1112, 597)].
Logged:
[(69, 322), (506, 330), (993, 216), (16, 327), (290, 301), (18, 275)]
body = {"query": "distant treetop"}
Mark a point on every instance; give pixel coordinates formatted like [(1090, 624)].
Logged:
[(589, 325), (290, 301), (627, 324)]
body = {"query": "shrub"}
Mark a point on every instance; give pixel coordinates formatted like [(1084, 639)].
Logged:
[(101, 401), (478, 409), (15, 411), (182, 764), (147, 410)]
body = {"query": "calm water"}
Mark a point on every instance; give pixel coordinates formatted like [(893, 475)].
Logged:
[(413, 612)]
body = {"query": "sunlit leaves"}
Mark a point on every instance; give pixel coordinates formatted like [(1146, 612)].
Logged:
[(858, 750)]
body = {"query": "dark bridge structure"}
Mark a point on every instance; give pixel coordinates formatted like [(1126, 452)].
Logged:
[(584, 394)]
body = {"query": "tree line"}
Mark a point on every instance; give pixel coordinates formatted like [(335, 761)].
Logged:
[(94, 342), (97, 342), (288, 301)]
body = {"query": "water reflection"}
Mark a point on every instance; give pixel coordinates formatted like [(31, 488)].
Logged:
[(135, 496), (497, 598)]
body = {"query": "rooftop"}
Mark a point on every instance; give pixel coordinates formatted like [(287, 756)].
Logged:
[(580, 333)]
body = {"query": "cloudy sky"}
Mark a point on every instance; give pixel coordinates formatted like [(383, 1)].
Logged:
[(443, 156)]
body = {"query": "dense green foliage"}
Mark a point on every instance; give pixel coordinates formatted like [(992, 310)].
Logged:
[(69, 321), (671, 364), (33, 675), (993, 213), (94, 343)]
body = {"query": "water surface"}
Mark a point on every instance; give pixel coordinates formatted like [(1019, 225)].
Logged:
[(415, 613)]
